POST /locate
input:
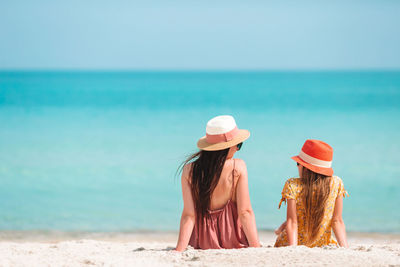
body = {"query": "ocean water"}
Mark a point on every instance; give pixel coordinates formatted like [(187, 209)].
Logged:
[(98, 151)]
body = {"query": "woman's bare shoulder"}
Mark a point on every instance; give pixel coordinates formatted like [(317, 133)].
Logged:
[(186, 171), (240, 166)]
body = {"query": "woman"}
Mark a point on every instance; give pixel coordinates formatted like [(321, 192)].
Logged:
[(216, 205), (314, 201)]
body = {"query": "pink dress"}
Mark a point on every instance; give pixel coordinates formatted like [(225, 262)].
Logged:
[(222, 229)]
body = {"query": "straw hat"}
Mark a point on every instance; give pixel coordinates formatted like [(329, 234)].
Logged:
[(221, 133), (317, 156)]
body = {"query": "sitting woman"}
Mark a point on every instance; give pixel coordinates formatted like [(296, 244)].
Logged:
[(216, 205), (314, 201)]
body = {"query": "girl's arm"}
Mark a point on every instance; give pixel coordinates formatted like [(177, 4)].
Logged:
[(291, 222), (245, 211), (338, 224), (188, 213)]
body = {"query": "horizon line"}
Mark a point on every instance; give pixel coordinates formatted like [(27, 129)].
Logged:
[(202, 70)]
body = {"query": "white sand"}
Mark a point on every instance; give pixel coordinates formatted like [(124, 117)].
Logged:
[(154, 249)]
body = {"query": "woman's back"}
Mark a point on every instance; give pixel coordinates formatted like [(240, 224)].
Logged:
[(221, 228), (226, 185)]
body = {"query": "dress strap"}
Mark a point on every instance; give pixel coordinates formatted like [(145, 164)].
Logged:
[(233, 179)]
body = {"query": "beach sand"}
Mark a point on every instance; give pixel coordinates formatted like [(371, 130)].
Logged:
[(154, 249)]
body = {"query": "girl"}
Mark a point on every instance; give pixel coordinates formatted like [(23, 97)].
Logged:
[(314, 201), (216, 205)]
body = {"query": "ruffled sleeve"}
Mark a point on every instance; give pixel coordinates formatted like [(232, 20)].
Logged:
[(288, 192), (341, 191)]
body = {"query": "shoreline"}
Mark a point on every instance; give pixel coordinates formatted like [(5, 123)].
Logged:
[(142, 235)]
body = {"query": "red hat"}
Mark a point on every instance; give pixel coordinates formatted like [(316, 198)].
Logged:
[(317, 156)]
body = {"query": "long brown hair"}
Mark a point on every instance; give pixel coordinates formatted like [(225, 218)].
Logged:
[(316, 189), (205, 172)]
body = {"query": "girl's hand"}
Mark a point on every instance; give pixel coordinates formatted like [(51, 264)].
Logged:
[(280, 229)]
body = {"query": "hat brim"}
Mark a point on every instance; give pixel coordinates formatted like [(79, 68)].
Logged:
[(241, 136), (320, 170)]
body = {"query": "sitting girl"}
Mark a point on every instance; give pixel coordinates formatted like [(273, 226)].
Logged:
[(314, 201)]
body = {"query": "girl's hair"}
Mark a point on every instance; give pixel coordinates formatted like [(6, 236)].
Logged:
[(205, 172), (316, 191)]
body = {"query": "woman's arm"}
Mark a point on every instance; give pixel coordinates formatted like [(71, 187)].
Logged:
[(188, 213), (337, 223), (291, 222), (245, 211)]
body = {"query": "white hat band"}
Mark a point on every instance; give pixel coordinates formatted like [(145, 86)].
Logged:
[(220, 125), (315, 161)]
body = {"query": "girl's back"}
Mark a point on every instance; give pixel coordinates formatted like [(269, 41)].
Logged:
[(293, 189)]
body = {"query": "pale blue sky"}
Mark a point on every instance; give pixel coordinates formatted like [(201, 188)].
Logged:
[(206, 35)]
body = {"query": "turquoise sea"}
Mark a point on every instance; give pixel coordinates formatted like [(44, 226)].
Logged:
[(98, 151)]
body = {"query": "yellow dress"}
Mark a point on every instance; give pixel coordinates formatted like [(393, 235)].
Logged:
[(293, 190)]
